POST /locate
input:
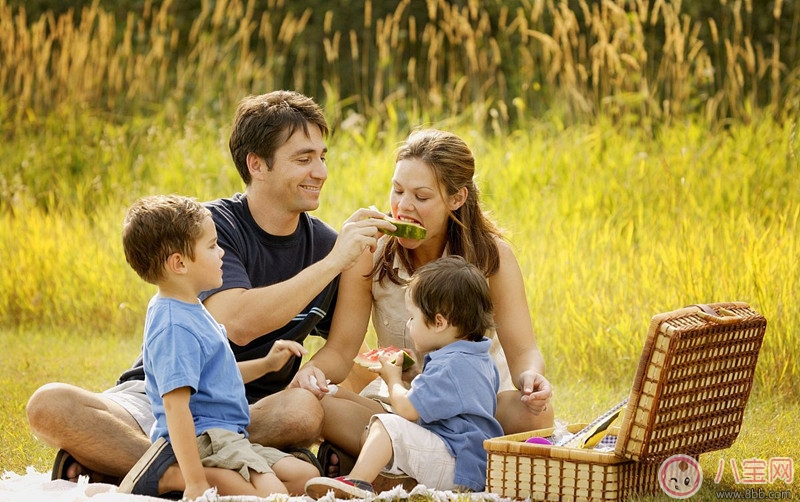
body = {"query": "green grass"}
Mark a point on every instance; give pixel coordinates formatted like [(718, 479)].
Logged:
[(689, 194), (93, 360), (33, 357), (611, 226)]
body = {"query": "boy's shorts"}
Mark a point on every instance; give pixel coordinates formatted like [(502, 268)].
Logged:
[(418, 453), (218, 447), (131, 396), (230, 450)]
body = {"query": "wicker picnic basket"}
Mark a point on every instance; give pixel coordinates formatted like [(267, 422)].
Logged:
[(688, 396)]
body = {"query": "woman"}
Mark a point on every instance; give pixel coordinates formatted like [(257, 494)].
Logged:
[(433, 186)]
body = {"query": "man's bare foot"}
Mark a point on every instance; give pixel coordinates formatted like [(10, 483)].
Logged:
[(68, 468), (334, 461), (333, 466), (76, 470)]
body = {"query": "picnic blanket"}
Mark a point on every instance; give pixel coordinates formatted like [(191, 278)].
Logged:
[(37, 486)]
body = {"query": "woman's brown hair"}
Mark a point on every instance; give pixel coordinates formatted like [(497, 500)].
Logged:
[(470, 233)]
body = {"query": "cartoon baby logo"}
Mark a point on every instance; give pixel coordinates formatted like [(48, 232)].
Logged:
[(680, 476)]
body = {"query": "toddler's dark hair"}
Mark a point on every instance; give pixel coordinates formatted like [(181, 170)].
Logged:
[(457, 290)]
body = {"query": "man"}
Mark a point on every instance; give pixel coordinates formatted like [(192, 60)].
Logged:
[(280, 272)]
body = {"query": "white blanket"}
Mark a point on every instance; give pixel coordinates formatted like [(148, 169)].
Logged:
[(37, 486)]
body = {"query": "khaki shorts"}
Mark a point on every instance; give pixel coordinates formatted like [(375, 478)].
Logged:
[(131, 396), (419, 453), (229, 450)]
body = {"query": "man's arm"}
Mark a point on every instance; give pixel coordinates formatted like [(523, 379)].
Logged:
[(181, 433), (334, 360), (248, 314)]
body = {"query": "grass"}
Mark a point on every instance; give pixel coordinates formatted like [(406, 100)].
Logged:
[(610, 227), (631, 176), (34, 357), (95, 359)]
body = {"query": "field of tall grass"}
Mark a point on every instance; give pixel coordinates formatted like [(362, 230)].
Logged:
[(610, 228), (642, 62), (637, 203)]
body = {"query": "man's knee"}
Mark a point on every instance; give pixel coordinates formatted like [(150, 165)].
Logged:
[(45, 401), (49, 406), (307, 411), (304, 411), (292, 417)]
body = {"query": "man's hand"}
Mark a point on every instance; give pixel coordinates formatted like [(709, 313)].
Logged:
[(536, 391), (359, 233)]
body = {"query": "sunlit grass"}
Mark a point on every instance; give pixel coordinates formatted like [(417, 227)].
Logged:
[(624, 194), (32, 357), (610, 228)]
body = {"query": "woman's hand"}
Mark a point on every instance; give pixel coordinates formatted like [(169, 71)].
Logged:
[(536, 391)]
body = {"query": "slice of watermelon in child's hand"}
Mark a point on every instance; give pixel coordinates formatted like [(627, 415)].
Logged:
[(371, 358)]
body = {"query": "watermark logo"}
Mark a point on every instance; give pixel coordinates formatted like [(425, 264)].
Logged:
[(680, 476), (758, 470)]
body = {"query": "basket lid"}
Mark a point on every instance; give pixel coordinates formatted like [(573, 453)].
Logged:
[(693, 381)]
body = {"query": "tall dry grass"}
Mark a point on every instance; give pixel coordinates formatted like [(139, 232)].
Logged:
[(635, 60), (613, 221)]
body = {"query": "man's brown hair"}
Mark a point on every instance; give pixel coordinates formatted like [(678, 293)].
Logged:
[(263, 123)]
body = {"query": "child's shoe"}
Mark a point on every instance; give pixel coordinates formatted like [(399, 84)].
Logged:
[(342, 488)]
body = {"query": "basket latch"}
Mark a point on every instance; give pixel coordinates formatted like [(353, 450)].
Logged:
[(724, 316)]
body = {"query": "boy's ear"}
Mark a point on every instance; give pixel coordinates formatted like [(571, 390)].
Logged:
[(175, 264), (440, 322)]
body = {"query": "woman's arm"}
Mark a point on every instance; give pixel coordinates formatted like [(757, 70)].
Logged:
[(515, 330)]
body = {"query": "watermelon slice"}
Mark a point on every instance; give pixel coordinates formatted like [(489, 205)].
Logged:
[(405, 229), (372, 357)]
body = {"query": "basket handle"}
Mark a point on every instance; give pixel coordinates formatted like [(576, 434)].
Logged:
[(708, 314)]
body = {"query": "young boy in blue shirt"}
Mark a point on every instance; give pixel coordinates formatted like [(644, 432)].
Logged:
[(191, 375), (436, 430)]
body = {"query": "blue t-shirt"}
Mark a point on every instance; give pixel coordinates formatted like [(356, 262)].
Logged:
[(456, 398), (253, 258), (185, 347)]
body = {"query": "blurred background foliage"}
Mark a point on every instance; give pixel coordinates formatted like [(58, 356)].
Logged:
[(491, 61)]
